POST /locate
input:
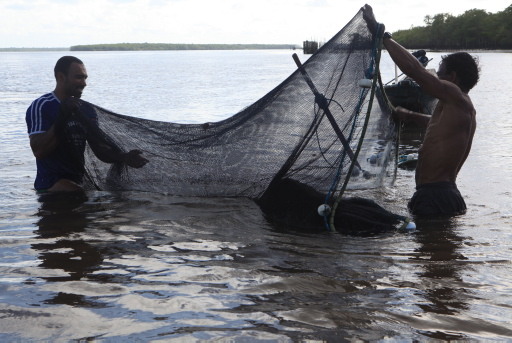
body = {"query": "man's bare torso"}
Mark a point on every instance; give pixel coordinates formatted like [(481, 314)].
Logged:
[(447, 141)]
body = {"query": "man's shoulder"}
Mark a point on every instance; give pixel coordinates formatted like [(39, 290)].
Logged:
[(459, 101), (454, 93), (45, 100), (41, 113), (47, 97)]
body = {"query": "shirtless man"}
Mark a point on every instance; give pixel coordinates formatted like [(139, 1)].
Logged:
[(449, 131), (59, 124)]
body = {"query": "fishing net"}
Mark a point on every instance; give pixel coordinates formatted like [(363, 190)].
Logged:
[(317, 128)]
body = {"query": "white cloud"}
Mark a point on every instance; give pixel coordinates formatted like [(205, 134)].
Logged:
[(62, 23)]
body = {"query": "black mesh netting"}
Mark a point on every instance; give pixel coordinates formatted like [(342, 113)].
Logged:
[(285, 135)]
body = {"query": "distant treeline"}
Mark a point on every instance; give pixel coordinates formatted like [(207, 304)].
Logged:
[(474, 29), (165, 46)]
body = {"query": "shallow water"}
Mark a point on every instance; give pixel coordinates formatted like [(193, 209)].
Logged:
[(136, 266)]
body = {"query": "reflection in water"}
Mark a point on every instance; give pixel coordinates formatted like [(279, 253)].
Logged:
[(441, 280), (440, 287), (66, 257)]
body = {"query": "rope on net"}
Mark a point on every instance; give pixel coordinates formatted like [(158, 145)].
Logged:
[(373, 73)]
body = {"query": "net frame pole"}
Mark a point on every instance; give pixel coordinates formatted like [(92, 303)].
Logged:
[(323, 104)]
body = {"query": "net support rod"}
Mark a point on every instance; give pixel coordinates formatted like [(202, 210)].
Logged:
[(323, 104)]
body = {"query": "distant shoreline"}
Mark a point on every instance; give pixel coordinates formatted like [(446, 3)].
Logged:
[(159, 47), (165, 46), (231, 47)]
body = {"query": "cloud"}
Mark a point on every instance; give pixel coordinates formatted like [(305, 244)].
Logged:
[(62, 23)]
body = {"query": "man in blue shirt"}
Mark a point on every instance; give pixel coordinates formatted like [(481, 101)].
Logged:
[(59, 125)]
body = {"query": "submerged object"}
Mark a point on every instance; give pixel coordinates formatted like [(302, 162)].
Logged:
[(292, 204), (376, 158), (408, 161)]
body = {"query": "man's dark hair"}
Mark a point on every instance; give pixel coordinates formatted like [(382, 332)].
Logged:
[(465, 66), (64, 63)]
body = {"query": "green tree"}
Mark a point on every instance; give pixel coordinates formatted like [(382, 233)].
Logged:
[(474, 29), (504, 29)]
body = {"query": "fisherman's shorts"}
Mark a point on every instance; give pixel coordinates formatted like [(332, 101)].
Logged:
[(437, 199)]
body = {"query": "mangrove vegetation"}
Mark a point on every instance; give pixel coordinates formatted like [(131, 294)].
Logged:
[(474, 29)]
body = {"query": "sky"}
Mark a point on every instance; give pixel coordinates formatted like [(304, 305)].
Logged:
[(63, 23)]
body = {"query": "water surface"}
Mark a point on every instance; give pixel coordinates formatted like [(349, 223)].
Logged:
[(135, 266)]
